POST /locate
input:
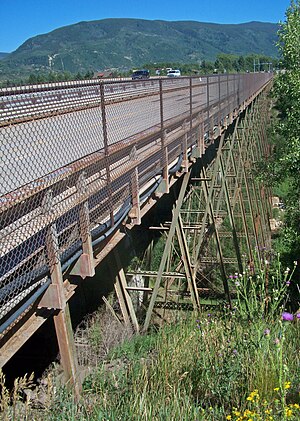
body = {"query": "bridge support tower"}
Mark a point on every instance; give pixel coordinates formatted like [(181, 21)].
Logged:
[(220, 220)]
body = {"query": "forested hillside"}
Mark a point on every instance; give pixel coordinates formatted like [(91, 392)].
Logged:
[(128, 43), (284, 167)]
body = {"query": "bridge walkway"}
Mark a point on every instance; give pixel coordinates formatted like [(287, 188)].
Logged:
[(80, 161)]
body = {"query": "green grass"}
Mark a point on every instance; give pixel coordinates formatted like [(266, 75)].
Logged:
[(229, 364), (135, 348), (199, 369)]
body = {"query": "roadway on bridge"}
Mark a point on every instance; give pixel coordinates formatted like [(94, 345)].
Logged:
[(32, 149)]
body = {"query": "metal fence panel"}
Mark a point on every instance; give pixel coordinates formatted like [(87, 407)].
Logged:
[(76, 158)]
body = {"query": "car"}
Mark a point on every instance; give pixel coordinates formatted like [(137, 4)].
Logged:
[(174, 73), (140, 74)]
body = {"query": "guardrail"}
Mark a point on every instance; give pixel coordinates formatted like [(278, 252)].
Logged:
[(76, 160)]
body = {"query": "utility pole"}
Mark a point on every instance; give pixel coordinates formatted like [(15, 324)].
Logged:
[(256, 65), (259, 64)]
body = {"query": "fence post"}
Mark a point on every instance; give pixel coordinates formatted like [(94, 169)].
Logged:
[(85, 264), (185, 160), (135, 212), (207, 104), (106, 152), (164, 186), (191, 105), (219, 105), (55, 298), (198, 151)]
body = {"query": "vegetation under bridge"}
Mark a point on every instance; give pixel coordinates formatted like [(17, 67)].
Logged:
[(82, 162)]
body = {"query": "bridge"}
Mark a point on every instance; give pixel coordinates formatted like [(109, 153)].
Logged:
[(81, 163)]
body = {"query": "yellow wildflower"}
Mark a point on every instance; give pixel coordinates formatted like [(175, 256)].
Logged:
[(248, 413), (267, 411), (253, 396)]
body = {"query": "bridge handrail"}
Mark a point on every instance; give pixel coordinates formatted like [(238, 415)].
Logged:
[(104, 182)]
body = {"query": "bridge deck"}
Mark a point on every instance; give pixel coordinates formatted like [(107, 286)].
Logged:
[(78, 159)]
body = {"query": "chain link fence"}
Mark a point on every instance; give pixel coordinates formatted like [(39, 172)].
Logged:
[(76, 158)]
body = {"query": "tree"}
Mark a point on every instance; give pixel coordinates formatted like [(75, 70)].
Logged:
[(32, 79), (289, 37), (242, 63), (286, 163), (287, 90)]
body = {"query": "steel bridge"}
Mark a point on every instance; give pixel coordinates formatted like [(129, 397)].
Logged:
[(79, 161)]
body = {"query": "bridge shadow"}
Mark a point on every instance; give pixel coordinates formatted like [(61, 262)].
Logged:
[(41, 350)]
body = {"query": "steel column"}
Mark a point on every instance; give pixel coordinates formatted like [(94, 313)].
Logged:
[(62, 320), (166, 249)]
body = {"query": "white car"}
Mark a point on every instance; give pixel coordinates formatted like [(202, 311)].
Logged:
[(174, 73)]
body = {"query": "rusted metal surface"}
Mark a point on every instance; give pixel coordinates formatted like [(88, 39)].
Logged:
[(206, 247), (86, 157)]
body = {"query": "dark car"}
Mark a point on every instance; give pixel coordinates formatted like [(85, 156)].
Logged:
[(140, 74)]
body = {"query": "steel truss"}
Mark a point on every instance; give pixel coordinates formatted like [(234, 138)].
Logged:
[(221, 216), (219, 203)]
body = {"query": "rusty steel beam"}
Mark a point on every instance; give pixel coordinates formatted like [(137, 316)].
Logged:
[(85, 264), (56, 295), (166, 250)]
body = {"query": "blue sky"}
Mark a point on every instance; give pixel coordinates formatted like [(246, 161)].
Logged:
[(23, 19)]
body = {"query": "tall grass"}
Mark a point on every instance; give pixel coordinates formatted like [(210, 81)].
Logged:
[(237, 364)]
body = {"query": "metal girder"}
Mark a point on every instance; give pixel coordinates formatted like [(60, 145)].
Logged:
[(85, 265), (153, 274), (185, 254), (208, 195), (125, 301), (167, 249), (222, 195), (62, 320), (193, 130), (249, 153)]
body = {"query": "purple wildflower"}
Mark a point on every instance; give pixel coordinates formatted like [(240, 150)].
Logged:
[(287, 316), (297, 315), (277, 341), (267, 332), (234, 352)]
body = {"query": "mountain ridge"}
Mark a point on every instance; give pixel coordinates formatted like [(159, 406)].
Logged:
[(2, 55), (127, 42)]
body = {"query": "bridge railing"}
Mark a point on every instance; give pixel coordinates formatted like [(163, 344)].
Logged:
[(76, 159)]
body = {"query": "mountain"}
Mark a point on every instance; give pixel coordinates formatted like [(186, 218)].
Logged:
[(127, 43), (2, 55)]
